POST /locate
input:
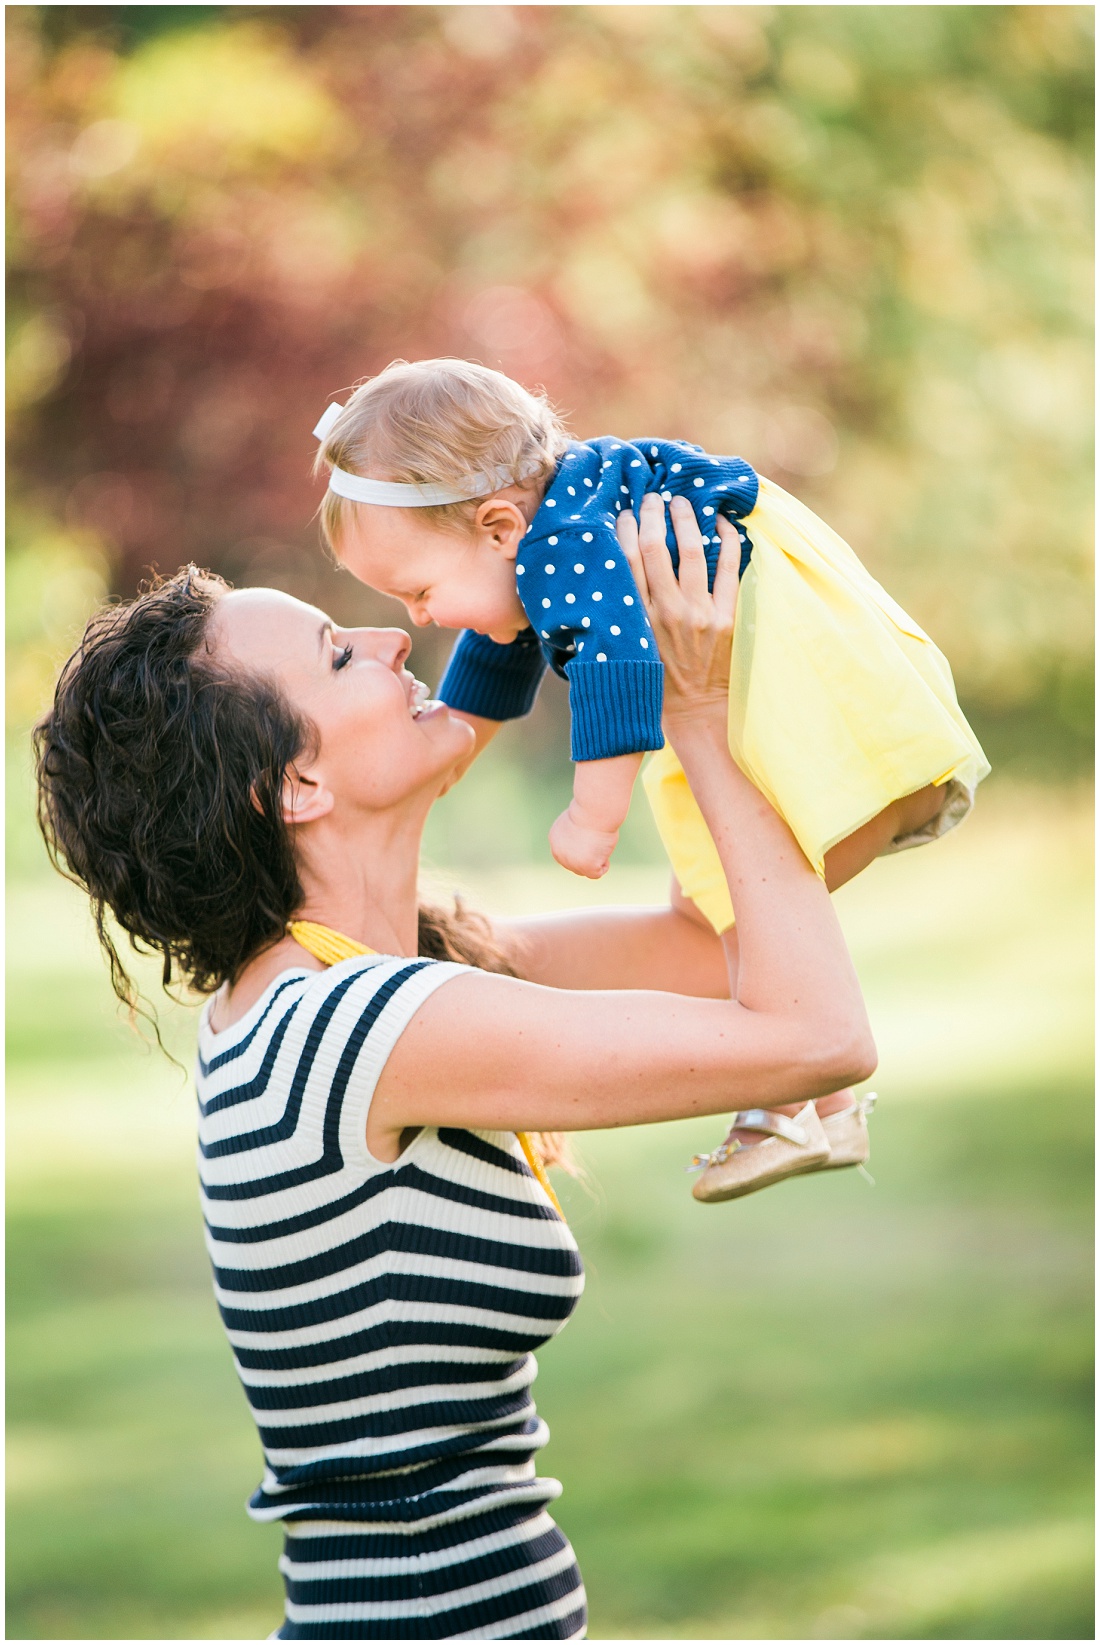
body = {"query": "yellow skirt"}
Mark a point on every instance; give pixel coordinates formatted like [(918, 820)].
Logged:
[(839, 704)]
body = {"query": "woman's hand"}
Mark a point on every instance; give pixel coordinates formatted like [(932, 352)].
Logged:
[(694, 628)]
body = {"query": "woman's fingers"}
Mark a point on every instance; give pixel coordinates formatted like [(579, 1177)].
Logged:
[(689, 540), (727, 578), (659, 575), (626, 529), (683, 597)]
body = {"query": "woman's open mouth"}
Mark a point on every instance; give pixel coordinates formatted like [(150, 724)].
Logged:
[(421, 700)]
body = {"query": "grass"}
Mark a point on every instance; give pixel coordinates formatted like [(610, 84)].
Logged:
[(828, 1411)]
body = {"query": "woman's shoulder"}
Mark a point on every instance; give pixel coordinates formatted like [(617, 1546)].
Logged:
[(353, 995)]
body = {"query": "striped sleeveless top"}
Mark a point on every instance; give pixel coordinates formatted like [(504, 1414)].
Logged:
[(383, 1318)]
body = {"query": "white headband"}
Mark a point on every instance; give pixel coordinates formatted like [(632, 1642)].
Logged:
[(390, 494)]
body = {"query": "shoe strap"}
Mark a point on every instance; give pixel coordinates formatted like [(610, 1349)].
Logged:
[(776, 1125), (752, 1119)]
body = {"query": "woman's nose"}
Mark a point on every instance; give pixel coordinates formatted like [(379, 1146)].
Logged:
[(389, 645)]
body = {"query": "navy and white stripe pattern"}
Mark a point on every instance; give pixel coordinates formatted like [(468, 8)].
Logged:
[(383, 1320)]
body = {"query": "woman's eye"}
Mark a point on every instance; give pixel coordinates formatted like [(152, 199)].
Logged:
[(343, 657)]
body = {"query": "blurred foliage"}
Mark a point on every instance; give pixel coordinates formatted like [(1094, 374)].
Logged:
[(851, 242)]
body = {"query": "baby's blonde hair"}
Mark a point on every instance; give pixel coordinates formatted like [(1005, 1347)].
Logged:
[(435, 421)]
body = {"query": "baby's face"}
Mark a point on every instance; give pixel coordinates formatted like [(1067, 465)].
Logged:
[(440, 577)]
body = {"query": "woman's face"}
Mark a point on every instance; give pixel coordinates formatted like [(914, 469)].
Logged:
[(378, 746)]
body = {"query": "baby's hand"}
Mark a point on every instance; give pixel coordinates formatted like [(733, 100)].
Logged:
[(581, 849)]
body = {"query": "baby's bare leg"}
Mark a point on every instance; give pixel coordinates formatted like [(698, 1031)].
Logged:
[(852, 855), (583, 837), (842, 864)]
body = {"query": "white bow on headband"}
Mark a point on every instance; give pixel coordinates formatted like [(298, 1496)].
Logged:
[(390, 494)]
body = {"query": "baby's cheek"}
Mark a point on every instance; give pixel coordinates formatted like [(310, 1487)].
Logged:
[(448, 615)]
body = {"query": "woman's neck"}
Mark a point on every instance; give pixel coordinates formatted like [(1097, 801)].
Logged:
[(360, 880)]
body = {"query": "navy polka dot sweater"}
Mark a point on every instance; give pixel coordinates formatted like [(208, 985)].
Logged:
[(588, 622)]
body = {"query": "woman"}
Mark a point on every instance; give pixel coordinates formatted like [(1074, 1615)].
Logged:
[(219, 764)]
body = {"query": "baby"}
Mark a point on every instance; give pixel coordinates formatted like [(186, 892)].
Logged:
[(458, 492)]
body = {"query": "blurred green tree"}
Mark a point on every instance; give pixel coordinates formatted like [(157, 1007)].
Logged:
[(850, 242)]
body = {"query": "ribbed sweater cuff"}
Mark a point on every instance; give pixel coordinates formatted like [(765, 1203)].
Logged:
[(497, 682), (615, 707)]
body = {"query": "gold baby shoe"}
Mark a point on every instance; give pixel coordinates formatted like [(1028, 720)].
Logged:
[(790, 1147), (846, 1130)]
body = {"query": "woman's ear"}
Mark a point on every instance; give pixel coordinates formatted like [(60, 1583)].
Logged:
[(502, 524), (305, 799)]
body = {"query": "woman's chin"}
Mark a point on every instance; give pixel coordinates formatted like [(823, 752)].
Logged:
[(454, 738)]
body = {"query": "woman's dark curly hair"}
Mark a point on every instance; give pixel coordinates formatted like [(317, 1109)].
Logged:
[(160, 778), (159, 787)]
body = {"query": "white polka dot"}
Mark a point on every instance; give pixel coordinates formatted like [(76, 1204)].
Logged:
[(616, 448), (628, 599), (600, 657), (609, 565), (571, 456), (645, 645), (637, 463), (545, 633), (579, 569), (676, 467), (653, 451), (574, 516), (586, 622), (586, 536), (604, 465), (597, 595), (520, 569), (549, 570), (550, 503), (618, 508), (546, 605), (588, 483), (553, 541), (572, 490), (698, 482), (580, 645), (570, 599), (667, 495), (615, 629), (708, 511)]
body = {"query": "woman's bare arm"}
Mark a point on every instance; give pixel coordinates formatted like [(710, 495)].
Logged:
[(665, 948), (490, 1052)]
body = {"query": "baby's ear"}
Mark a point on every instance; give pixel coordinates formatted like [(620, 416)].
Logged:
[(502, 524)]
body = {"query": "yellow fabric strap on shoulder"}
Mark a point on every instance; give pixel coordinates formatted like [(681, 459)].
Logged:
[(325, 944), (330, 947)]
